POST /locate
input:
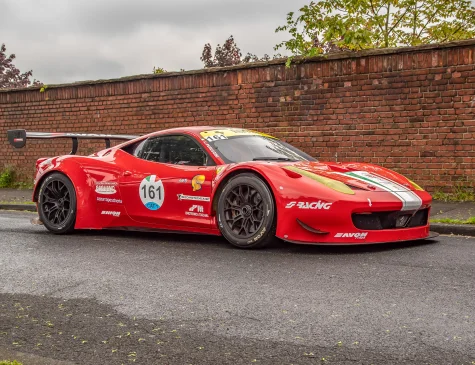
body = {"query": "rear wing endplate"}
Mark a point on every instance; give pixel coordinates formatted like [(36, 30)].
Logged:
[(18, 137)]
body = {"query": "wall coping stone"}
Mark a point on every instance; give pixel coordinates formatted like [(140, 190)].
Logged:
[(281, 61)]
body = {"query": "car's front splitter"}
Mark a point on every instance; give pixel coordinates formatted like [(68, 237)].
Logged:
[(431, 235)]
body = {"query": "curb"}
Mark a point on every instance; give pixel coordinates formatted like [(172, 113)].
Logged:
[(20, 207), (458, 229)]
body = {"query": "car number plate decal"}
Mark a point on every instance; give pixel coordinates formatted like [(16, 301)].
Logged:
[(151, 192)]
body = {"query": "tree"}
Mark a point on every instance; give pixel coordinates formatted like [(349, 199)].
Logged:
[(159, 70), (335, 25), (10, 76), (228, 55)]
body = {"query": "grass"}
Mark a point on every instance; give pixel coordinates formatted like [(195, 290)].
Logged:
[(470, 220), (28, 202), (6, 362), (459, 194)]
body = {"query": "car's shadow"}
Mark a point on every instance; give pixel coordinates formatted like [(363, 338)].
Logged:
[(150, 238)]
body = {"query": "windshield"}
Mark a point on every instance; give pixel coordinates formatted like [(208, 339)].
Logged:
[(256, 148)]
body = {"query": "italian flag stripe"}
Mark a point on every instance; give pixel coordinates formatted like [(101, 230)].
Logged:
[(410, 200)]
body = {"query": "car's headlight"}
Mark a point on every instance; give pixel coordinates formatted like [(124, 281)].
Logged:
[(330, 183)]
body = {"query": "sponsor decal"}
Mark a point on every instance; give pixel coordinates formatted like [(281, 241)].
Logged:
[(151, 192), (410, 200), (219, 169), (183, 181), (192, 197), (369, 202), (197, 210), (108, 200), (310, 205), (210, 148), (225, 133), (106, 188), (255, 239), (108, 212), (358, 236), (197, 181)]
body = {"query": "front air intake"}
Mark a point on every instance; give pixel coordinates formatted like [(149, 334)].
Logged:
[(390, 220)]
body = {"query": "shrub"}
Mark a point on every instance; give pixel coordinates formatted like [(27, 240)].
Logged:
[(7, 178)]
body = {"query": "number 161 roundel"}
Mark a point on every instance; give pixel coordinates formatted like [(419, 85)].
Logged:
[(152, 192), (244, 185)]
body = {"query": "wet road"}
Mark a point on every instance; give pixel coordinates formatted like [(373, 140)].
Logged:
[(390, 304)]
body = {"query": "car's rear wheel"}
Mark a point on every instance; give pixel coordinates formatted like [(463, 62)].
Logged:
[(246, 212), (57, 203)]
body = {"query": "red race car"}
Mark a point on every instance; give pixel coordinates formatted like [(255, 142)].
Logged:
[(244, 185)]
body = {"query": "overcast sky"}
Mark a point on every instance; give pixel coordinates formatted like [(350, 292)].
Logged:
[(72, 40)]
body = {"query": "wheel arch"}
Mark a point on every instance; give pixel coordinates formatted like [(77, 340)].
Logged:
[(86, 214), (36, 190), (222, 183)]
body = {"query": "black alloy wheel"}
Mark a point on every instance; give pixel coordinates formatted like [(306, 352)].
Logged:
[(57, 204), (246, 212)]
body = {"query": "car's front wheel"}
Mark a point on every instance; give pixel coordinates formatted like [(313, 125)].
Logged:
[(246, 212), (57, 203)]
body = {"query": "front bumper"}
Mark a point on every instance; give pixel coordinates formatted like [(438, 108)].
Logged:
[(360, 219)]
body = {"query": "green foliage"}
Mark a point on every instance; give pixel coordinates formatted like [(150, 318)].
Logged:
[(470, 220), (159, 70), (7, 178), (6, 362), (327, 26), (43, 88), (459, 194)]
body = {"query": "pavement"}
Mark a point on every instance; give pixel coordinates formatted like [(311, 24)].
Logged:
[(109, 297), (12, 199)]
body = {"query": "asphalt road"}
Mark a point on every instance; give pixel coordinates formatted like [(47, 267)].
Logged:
[(118, 298)]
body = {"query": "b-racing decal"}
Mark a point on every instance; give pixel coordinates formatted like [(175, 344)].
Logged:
[(107, 212), (197, 181), (151, 192), (358, 236), (410, 200), (192, 197), (108, 200), (197, 211), (310, 205), (106, 188)]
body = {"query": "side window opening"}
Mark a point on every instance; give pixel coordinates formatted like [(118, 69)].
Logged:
[(133, 148), (177, 150)]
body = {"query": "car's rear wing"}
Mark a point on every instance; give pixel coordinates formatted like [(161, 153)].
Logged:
[(18, 137)]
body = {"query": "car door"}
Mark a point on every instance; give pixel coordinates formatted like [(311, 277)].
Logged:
[(166, 182)]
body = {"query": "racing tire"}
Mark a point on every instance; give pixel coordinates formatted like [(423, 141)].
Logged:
[(246, 212), (57, 203)]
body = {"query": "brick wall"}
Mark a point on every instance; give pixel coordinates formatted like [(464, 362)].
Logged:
[(408, 109)]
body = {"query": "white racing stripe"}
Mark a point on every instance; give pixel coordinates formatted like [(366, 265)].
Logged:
[(410, 200)]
